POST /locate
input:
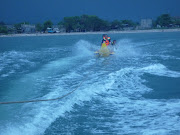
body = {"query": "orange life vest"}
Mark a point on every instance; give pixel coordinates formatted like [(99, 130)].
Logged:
[(107, 41)]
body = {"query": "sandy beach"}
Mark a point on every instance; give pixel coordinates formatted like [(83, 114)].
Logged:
[(101, 32)]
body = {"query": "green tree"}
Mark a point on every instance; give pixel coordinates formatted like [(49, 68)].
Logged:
[(164, 20), (39, 27), (76, 23), (18, 27), (3, 29), (93, 23), (68, 22), (71, 23), (105, 25), (128, 23), (60, 23), (84, 23), (47, 24), (176, 21), (116, 24)]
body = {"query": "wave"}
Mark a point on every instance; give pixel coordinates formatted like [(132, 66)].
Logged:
[(17, 62), (118, 89), (160, 70)]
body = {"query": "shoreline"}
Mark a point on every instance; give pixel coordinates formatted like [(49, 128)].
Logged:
[(86, 33)]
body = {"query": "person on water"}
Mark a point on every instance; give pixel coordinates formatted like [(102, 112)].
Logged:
[(113, 43), (106, 39), (113, 46)]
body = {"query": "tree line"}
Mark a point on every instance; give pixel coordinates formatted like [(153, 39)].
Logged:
[(93, 23), (85, 23), (165, 20)]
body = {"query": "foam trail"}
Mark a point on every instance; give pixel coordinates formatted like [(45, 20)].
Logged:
[(20, 62), (31, 83), (42, 111), (113, 93)]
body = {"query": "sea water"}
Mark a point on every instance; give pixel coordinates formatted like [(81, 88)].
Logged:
[(134, 92)]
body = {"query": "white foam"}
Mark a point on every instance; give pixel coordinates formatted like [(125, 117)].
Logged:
[(84, 48), (122, 94), (119, 91), (17, 60), (46, 113), (133, 114), (160, 70), (126, 49), (12, 61)]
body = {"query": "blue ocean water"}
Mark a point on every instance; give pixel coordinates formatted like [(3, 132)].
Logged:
[(134, 92)]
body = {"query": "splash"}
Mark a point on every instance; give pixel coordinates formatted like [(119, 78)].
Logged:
[(84, 48), (125, 48)]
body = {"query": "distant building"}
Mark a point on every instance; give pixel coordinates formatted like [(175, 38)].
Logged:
[(27, 28), (146, 23)]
